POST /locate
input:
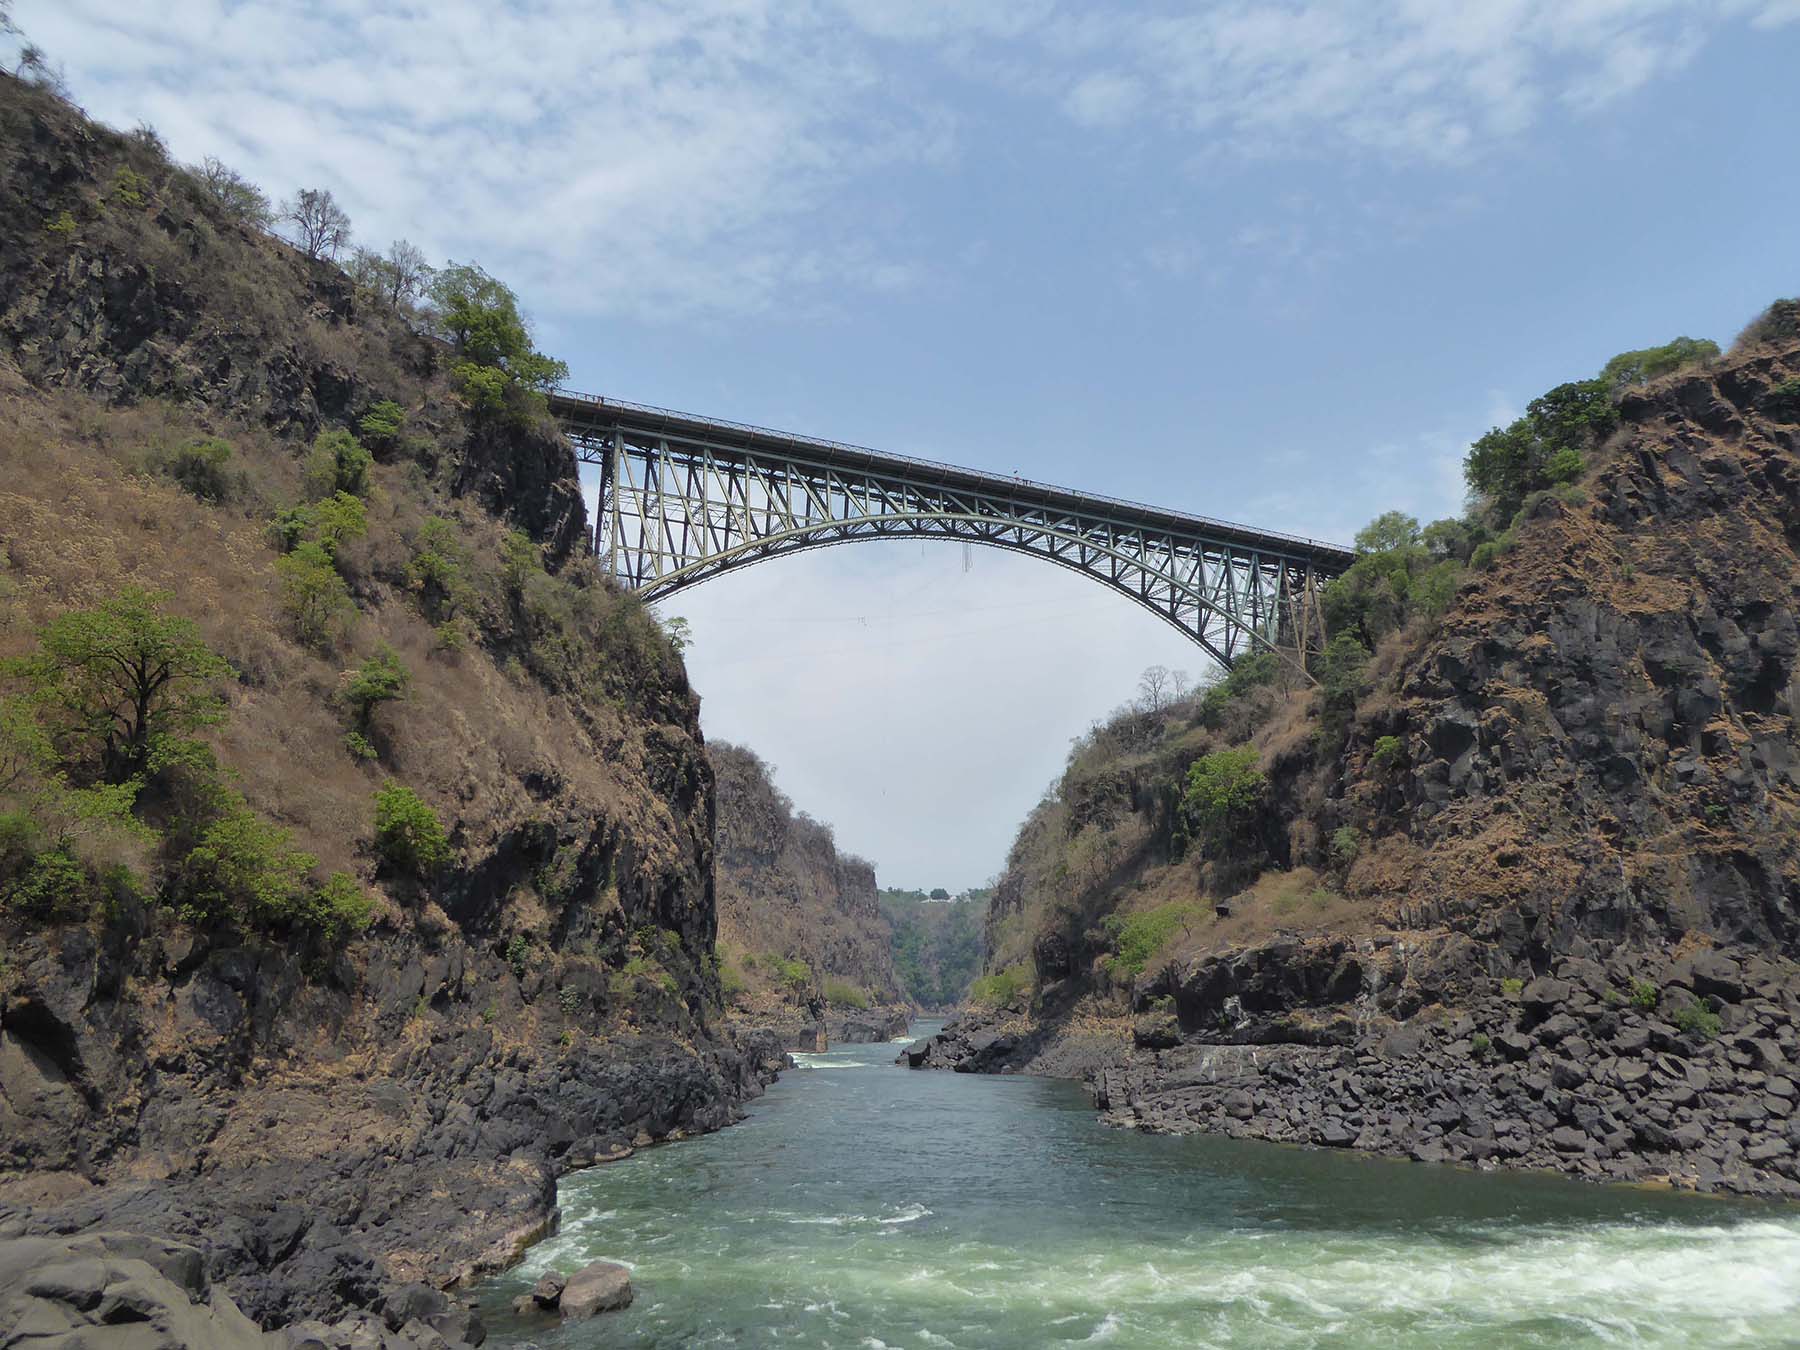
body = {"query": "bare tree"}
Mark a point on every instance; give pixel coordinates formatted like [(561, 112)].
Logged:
[(232, 191), (1153, 688), (321, 226), (1179, 681), (407, 272)]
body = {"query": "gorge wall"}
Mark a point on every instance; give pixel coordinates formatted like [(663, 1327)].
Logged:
[(803, 944), (341, 1125), (1526, 891)]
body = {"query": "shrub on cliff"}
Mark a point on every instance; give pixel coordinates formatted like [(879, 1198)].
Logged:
[(409, 837), (338, 462), (113, 679), (1136, 938), (1542, 448), (1001, 988), (380, 425), (244, 872), (845, 995), (382, 678), (313, 595), (1401, 573), (1783, 401), (1224, 794), (1253, 670), (438, 572), (1629, 369), (202, 466)]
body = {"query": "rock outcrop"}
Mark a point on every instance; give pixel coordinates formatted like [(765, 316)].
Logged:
[(799, 922), (340, 1128), (1563, 832)]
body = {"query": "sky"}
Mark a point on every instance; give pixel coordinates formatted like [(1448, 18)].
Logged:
[(1271, 262)]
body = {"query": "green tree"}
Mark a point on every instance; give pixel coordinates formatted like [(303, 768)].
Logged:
[(243, 872), (480, 316), (1389, 531), (337, 520), (119, 676), (408, 834), (202, 467), (1507, 465), (520, 560), (338, 463), (383, 678), (1223, 799), (380, 425), (1629, 369), (341, 907), (1342, 672), (313, 595), (439, 568)]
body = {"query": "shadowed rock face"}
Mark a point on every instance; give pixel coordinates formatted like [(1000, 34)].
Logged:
[(785, 891), (1577, 887)]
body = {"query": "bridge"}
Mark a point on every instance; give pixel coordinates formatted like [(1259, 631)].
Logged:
[(685, 498)]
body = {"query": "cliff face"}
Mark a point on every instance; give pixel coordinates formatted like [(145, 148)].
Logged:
[(1607, 722), (787, 895), (331, 1120), (1540, 907)]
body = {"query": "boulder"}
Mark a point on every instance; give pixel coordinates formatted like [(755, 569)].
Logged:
[(1710, 972), (114, 1288), (602, 1286), (1544, 996)]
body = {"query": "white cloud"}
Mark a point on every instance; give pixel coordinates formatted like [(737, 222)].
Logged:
[(1413, 80), (725, 156), (1104, 99)]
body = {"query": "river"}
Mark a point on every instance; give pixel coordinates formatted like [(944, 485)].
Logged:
[(863, 1205)]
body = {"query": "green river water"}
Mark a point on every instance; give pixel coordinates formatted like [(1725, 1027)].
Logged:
[(864, 1205)]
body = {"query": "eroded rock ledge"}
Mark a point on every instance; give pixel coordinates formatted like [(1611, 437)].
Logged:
[(1578, 1070)]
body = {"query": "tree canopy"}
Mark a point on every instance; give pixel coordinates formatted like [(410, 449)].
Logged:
[(481, 317), (121, 675)]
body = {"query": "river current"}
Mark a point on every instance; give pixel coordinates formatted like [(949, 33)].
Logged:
[(864, 1205)]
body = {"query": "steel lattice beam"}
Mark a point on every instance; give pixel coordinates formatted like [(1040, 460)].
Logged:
[(685, 498)]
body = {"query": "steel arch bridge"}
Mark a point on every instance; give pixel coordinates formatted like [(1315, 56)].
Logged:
[(685, 498)]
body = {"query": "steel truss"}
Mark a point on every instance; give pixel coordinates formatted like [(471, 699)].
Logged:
[(686, 498)]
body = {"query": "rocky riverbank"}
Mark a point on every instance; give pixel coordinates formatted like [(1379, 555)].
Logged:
[(1680, 1071), (391, 1131), (810, 1031)]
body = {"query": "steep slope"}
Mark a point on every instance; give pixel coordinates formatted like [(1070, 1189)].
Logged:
[(802, 941), (1525, 893), (329, 1117)]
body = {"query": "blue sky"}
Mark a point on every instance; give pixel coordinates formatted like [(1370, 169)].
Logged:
[(1272, 262)]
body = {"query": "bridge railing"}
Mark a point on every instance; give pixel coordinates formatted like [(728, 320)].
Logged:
[(600, 403)]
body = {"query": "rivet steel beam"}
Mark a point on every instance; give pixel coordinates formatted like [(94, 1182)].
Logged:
[(684, 498)]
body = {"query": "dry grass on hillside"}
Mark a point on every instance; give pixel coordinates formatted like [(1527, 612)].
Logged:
[(83, 513)]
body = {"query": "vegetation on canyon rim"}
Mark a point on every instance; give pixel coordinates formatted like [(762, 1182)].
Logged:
[(341, 540), (1240, 780)]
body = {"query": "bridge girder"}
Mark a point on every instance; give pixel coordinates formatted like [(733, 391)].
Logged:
[(684, 499)]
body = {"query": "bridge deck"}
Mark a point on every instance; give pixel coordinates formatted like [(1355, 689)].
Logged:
[(593, 414)]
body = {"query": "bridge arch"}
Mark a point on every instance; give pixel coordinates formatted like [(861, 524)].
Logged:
[(684, 499)]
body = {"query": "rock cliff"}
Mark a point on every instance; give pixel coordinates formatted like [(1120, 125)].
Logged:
[(802, 940), (331, 1124), (1539, 909)]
